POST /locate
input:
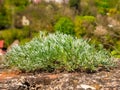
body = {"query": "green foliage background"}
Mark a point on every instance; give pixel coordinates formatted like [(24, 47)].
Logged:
[(77, 17)]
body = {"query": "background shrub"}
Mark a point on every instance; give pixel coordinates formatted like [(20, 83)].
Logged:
[(65, 25), (84, 25), (10, 35), (58, 52)]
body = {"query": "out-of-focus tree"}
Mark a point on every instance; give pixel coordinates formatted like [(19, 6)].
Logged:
[(8, 9), (75, 4)]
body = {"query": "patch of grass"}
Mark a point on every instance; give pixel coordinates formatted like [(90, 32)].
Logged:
[(58, 52)]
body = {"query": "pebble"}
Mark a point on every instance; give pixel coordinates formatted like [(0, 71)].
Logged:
[(84, 86)]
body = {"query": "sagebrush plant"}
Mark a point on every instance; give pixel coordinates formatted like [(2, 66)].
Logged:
[(57, 52)]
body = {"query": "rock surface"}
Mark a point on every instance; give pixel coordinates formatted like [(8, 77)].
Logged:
[(102, 80)]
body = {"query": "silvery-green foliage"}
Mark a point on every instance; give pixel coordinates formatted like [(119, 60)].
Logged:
[(57, 51)]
